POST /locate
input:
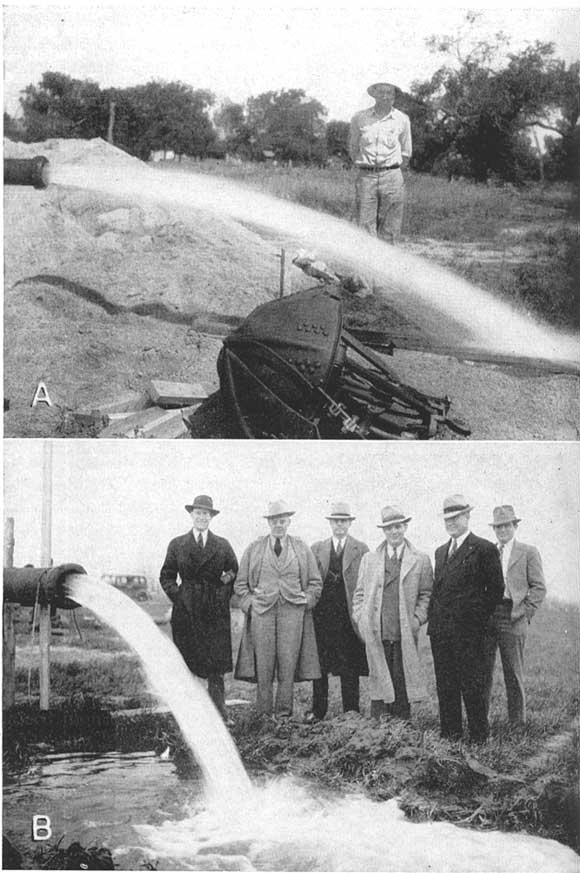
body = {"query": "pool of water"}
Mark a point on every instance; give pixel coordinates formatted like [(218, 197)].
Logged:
[(136, 806), (96, 799)]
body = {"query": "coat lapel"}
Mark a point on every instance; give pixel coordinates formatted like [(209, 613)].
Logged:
[(208, 550), (465, 547), (324, 557), (516, 554), (408, 562), (351, 551)]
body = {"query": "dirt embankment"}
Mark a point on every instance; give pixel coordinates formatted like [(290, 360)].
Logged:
[(99, 293)]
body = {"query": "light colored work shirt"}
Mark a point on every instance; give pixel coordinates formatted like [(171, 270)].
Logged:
[(380, 141)]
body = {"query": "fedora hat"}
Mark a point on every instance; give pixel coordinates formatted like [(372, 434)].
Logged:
[(340, 510), (202, 501), (455, 505), (372, 87), (393, 515), (504, 515), (278, 507)]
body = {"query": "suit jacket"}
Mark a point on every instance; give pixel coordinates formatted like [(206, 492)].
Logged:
[(340, 647), (308, 666), (466, 589), (525, 580), (415, 584), (200, 619), (351, 558)]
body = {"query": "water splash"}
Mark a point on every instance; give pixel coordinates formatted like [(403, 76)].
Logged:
[(469, 316), (286, 828), (197, 717)]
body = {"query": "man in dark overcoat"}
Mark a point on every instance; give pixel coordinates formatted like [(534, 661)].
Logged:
[(340, 650), (200, 620), (468, 586)]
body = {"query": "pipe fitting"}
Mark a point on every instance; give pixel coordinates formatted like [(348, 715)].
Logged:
[(45, 585), (26, 171)]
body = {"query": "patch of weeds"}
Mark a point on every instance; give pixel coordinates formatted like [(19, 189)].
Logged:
[(75, 857)]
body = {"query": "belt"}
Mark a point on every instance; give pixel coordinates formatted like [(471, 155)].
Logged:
[(381, 169)]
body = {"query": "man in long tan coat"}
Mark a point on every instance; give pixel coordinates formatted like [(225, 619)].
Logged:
[(389, 607), (278, 585)]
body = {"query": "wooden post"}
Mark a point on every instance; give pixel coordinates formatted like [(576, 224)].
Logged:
[(112, 108), (8, 636), (45, 561), (282, 271)]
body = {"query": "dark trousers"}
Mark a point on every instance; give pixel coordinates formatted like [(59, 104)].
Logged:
[(349, 687), (400, 708), (216, 690), (458, 662)]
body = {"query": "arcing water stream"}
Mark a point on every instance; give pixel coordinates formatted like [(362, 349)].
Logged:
[(471, 317), (200, 722), (282, 825)]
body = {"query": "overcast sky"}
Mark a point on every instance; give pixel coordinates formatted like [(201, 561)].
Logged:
[(242, 50), (116, 504)]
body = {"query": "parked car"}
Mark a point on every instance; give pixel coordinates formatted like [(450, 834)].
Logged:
[(133, 585)]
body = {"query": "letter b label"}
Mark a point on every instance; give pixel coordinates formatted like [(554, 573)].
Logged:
[(41, 829)]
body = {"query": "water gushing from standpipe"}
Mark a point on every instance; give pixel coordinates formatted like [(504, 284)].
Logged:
[(200, 723), (470, 316)]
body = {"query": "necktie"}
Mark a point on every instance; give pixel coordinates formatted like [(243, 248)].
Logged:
[(453, 548), (339, 547), (278, 547), (200, 540), (393, 554), (500, 549)]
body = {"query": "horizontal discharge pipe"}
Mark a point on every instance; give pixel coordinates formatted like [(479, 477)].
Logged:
[(45, 585), (33, 172)]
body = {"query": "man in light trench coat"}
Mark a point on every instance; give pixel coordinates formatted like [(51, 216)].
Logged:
[(389, 607)]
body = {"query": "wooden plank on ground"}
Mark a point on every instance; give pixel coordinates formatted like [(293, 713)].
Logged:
[(152, 423), (94, 413), (174, 394)]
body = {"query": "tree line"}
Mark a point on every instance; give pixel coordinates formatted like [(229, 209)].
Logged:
[(474, 117)]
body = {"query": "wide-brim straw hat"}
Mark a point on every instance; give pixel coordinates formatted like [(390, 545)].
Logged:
[(371, 88), (202, 501), (340, 511), (504, 515), (278, 507), (455, 505), (393, 515)]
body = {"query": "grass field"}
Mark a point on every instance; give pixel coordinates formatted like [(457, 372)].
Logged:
[(523, 244), (529, 779)]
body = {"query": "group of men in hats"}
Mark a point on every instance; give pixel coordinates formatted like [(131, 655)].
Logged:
[(338, 608)]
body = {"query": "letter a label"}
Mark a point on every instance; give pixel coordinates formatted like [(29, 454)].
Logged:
[(41, 395), (41, 829)]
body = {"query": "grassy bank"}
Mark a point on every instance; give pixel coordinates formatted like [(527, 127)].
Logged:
[(519, 780), (522, 244)]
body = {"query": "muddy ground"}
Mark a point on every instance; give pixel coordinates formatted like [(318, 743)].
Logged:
[(100, 293)]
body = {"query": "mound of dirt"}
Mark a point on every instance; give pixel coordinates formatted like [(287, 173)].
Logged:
[(99, 292)]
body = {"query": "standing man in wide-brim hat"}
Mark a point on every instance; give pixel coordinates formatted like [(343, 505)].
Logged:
[(467, 588), (389, 607), (340, 649), (278, 585), (525, 590), (380, 147), (200, 621)]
